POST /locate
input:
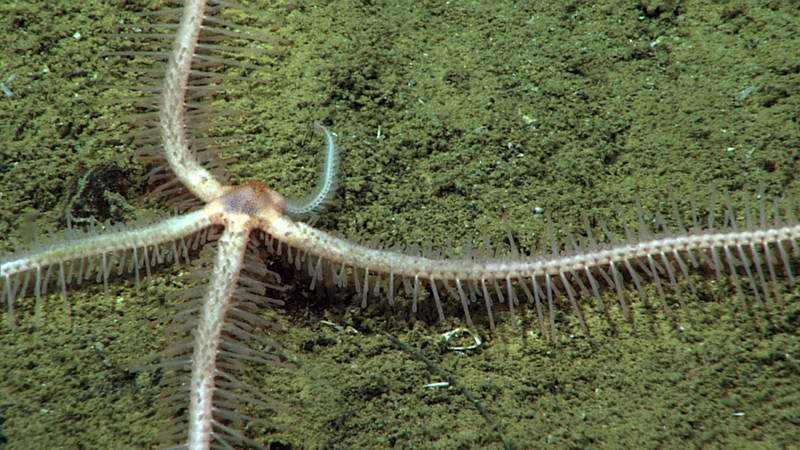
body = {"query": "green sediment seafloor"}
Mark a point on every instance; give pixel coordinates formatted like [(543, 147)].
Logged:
[(451, 116)]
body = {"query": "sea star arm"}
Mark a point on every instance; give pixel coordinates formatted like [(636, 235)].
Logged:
[(216, 303), (172, 112), (539, 277), (97, 244), (326, 185), (73, 252)]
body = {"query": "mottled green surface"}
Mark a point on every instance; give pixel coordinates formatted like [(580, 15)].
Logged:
[(485, 110)]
